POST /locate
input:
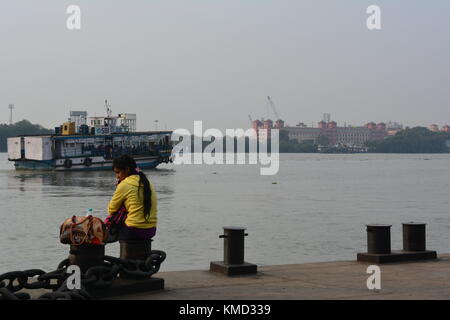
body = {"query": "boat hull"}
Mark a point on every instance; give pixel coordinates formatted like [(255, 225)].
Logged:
[(78, 165)]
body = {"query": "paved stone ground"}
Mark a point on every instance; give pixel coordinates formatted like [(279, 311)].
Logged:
[(326, 280)]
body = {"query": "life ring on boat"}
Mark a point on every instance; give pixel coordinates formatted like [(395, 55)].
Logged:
[(68, 163), (88, 162)]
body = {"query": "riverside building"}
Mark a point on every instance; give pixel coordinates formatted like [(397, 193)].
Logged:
[(329, 132)]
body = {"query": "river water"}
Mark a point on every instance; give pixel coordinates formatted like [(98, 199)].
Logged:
[(315, 209)]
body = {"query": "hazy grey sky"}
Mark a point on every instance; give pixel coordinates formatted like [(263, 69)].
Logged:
[(216, 60)]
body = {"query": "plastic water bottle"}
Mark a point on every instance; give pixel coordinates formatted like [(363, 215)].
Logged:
[(89, 212)]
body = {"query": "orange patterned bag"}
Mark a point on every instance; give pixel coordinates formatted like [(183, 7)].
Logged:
[(83, 230)]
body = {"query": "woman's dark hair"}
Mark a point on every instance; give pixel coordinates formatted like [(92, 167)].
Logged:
[(126, 162)]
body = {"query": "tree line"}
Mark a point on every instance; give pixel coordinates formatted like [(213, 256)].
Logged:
[(409, 140), (413, 140)]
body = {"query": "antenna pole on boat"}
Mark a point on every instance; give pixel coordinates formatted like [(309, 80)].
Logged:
[(11, 107), (108, 110)]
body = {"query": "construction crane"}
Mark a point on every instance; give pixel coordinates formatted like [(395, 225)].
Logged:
[(272, 105)]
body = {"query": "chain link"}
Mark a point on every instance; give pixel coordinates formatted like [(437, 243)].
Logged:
[(96, 277), (64, 293)]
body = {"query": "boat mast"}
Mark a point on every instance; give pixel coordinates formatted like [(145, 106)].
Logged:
[(108, 109)]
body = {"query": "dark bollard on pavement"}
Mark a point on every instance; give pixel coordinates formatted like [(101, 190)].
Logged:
[(86, 256), (414, 238), (379, 244), (132, 281), (233, 254), (135, 249), (379, 238)]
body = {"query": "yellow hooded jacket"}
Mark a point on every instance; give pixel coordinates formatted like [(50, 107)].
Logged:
[(127, 194)]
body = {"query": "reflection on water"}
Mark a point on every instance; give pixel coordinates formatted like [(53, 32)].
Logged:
[(63, 183), (101, 181), (315, 209)]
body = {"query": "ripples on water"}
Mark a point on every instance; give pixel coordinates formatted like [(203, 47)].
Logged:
[(315, 212)]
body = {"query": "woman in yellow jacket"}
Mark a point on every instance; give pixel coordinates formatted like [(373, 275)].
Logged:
[(134, 197)]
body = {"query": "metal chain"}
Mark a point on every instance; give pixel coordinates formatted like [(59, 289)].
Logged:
[(95, 277), (64, 293), (18, 280), (140, 268)]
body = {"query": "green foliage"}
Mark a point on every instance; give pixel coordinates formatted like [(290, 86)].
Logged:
[(413, 140), (323, 141), (23, 127), (410, 140), (293, 146), (286, 145)]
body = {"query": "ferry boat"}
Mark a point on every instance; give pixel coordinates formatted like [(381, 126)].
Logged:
[(91, 143)]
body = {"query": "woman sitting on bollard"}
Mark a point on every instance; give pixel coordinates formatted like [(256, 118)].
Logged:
[(133, 207)]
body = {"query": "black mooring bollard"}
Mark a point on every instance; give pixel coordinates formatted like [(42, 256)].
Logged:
[(233, 253), (131, 280), (87, 255), (135, 249), (414, 238), (378, 238), (233, 245), (379, 244)]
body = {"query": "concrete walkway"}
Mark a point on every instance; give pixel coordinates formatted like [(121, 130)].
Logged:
[(326, 280)]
